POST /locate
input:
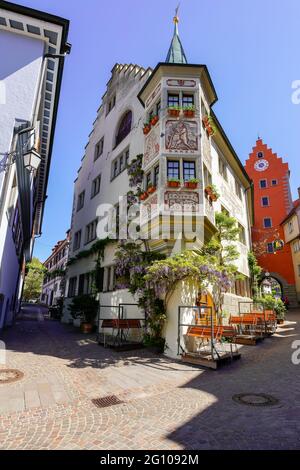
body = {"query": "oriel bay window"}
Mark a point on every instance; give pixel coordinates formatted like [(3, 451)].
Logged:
[(189, 170)]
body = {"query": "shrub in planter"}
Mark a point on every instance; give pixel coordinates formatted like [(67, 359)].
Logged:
[(174, 111), (85, 308), (155, 344), (174, 183), (271, 303), (192, 183)]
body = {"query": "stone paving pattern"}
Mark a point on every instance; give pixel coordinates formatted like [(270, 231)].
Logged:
[(166, 404)]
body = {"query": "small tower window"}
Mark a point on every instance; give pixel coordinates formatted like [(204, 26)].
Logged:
[(260, 154), (267, 222), (263, 184)]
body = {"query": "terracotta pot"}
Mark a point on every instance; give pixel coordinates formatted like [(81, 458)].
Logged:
[(209, 130), (151, 189), (143, 196), (189, 185), (173, 184), (174, 112), (86, 328), (146, 130), (189, 113), (154, 120)]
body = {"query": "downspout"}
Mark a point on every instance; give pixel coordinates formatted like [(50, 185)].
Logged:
[(249, 220)]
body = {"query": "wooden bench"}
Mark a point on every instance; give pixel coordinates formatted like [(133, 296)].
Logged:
[(121, 324), (205, 332), (246, 319)]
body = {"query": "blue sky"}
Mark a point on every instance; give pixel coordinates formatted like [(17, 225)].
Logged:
[(251, 48)]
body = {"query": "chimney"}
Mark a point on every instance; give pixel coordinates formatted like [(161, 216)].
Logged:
[(299, 192)]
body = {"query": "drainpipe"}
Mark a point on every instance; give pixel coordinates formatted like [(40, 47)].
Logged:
[(249, 221)]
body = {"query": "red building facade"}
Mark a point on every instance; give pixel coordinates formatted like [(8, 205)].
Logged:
[(272, 203)]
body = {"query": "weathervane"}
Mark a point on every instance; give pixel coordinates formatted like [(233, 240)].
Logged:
[(176, 18)]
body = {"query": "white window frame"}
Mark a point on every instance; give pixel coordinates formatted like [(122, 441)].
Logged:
[(268, 218), (262, 203)]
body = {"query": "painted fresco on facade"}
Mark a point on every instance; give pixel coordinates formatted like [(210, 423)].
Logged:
[(181, 201), (181, 83), (151, 146), (181, 136)]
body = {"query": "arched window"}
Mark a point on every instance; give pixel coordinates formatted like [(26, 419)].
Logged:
[(124, 127)]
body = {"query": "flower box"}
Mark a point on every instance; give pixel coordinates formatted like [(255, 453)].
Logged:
[(151, 189), (154, 120), (189, 113), (144, 196), (190, 185), (147, 129), (173, 184), (174, 112)]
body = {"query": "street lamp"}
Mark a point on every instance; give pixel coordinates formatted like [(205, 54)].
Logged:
[(32, 160)]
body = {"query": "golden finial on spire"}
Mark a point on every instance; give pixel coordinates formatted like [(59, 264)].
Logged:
[(176, 17)]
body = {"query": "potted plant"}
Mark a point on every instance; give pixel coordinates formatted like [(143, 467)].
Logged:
[(156, 345), (144, 196), (174, 182), (209, 125), (153, 120), (85, 308), (174, 111), (271, 303), (212, 192), (151, 189), (147, 128), (192, 183), (189, 111)]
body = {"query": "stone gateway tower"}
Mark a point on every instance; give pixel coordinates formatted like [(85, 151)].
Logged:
[(272, 204)]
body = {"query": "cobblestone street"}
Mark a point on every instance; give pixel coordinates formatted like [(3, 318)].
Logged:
[(163, 404)]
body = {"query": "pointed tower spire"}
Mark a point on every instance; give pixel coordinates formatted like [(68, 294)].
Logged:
[(176, 54)]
